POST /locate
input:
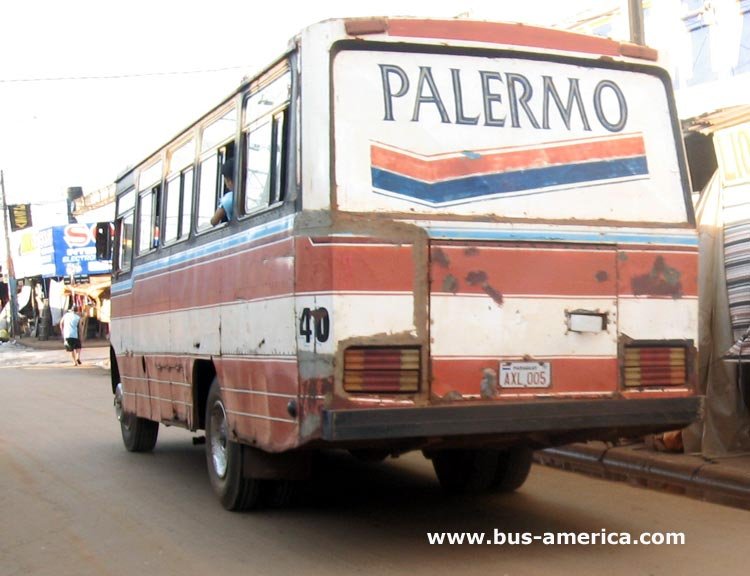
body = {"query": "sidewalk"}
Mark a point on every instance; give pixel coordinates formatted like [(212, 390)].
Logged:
[(26, 352), (724, 480)]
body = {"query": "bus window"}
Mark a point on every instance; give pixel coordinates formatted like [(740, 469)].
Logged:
[(216, 148), (178, 205), (148, 220), (125, 248), (187, 202), (207, 190), (220, 130), (172, 194), (258, 168), (178, 199), (265, 153)]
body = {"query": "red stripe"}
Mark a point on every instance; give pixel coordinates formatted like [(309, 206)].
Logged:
[(484, 268), (261, 273), (568, 375), (436, 169), (324, 267), (501, 33)]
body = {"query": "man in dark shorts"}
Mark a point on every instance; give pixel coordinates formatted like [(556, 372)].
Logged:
[(69, 328)]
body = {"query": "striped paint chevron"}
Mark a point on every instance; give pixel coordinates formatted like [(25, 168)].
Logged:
[(469, 175)]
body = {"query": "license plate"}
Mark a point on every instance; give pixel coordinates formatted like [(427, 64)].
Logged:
[(525, 375)]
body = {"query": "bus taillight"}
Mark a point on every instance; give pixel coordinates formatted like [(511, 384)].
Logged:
[(655, 366), (382, 369)]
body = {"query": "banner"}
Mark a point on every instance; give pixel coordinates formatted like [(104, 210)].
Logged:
[(20, 216)]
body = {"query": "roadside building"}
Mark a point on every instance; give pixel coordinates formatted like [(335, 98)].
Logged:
[(706, 47)]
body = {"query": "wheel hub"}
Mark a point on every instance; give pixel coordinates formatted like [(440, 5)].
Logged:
[(218, 439)]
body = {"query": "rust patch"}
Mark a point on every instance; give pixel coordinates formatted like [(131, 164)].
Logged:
[(452, 396), (450, 284), (471, 251), (492, 293), (602, 276), (479, 278), (488, 386), (439, 258), (663, 280), (476, 278)]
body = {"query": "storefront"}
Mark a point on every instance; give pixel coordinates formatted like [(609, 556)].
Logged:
[(59, 265)]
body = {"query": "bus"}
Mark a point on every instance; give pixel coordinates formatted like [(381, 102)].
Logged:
[(466, 238)]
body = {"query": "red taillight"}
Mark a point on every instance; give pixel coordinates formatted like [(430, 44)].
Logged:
[(655, 366), (381, 369)]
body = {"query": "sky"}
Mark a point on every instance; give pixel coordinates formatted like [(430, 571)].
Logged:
[(88, 88)]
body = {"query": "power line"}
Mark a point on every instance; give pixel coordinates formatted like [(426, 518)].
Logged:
[(120, 76)]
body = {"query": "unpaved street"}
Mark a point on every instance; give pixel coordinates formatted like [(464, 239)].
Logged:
[(74, 502)]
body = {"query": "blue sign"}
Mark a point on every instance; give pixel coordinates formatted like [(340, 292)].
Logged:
[(71, 251)]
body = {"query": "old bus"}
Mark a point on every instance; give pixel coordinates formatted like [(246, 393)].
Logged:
[(467, 238)]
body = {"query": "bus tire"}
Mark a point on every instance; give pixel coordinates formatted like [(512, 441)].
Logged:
[(138, 434), (279, 492), (513, 467), (225, 458), (465, 471)]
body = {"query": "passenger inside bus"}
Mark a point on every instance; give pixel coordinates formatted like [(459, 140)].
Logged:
[(226, 204)]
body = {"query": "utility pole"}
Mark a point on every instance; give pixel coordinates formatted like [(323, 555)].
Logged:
[(12, 290), (635, 12)]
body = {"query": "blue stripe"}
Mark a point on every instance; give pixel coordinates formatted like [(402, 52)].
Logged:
[(223, 245), (602, 237), (473, 187)]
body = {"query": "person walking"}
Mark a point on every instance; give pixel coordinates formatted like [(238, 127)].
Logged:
[(69, 328)]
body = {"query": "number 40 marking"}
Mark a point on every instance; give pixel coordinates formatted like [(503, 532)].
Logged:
[(315, 321)]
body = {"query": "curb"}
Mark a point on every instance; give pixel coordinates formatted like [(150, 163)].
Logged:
[(692, 476)]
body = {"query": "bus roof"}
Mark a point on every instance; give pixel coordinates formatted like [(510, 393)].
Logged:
[(497, 33)]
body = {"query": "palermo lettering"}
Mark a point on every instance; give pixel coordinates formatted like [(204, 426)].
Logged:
[(521, 99)]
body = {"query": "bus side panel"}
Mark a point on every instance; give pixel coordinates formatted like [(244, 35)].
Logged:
[(260, 395), (257, 369)]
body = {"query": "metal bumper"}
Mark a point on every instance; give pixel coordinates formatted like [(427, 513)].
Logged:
[(509, 418)]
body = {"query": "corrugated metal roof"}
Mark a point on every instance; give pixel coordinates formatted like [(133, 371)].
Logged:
[(711, 122)]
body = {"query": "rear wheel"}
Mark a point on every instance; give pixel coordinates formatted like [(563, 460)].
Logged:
[(513, 467), (225, 458), (138, 434), (465, 471)]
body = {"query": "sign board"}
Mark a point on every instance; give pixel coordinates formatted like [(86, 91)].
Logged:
[(71, 251)]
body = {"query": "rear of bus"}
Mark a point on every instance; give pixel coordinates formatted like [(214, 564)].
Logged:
[(511, 260)]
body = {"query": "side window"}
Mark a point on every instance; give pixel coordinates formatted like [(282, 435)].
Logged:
[(148, 220), (178, 193), (124, 231), (208, 197), (265, 136), (149, 208), (172, 194), (257, 168), (217, 148)]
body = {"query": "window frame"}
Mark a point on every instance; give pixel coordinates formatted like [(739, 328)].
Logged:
[(121, 216), (178, 172), (278, 172), (219, 151)]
